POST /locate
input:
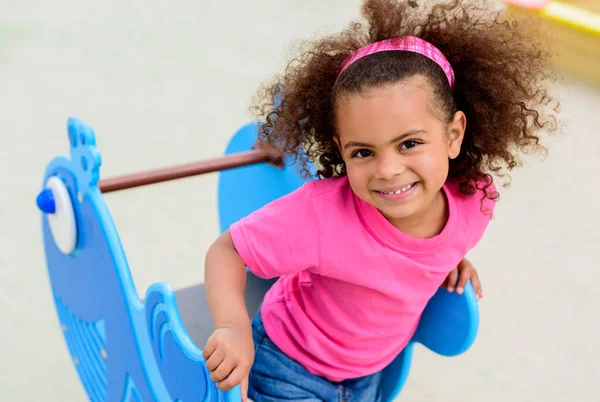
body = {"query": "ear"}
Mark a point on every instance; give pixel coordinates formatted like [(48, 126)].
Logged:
[(336, 139), (456, 133)]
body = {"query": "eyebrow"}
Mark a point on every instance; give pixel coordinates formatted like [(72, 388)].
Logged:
[(400, 137)]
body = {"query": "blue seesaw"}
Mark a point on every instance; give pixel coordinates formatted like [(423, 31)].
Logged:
[(126, 349)]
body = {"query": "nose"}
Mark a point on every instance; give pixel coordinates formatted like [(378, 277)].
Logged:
[(389, 166)]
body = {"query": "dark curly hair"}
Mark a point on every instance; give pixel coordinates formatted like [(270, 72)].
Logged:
[(500, 69)]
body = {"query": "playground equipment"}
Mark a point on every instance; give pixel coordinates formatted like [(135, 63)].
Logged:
[(575, 25), (126, 349)]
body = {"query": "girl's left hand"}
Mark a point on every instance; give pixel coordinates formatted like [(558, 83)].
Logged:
[(463, 273)]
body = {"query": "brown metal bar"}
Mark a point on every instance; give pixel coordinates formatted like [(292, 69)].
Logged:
[(186, 170)]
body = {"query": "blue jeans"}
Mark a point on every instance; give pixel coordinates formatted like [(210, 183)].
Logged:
[(275, 377)]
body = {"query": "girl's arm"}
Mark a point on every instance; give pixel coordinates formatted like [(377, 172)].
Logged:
[(225, 283), (229, 352)]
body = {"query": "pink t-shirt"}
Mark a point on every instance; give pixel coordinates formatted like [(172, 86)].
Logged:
[(352, 287)]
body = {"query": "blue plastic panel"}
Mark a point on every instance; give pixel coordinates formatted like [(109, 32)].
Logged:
[(450, 322), (122, 349)]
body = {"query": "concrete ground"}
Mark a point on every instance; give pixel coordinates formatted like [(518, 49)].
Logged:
[(169, 82)]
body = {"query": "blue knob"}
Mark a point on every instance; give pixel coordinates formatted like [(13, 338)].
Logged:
[(45, 201)]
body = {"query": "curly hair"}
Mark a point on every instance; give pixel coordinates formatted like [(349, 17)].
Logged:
[(500, 76)]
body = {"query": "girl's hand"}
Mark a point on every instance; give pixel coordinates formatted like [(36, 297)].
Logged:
[(229, 354), (463, 273)]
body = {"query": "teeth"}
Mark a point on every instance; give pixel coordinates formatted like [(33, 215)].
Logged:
[(403, 189)]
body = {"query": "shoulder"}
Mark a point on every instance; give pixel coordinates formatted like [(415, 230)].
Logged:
[(330, 187), (311, 198), (329, 195), (475, 210), (481, 202)]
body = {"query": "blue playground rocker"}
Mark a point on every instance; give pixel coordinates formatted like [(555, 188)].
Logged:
[(126, 349)]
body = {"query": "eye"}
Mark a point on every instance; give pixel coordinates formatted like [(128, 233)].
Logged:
[(361, 153), (409, 144)]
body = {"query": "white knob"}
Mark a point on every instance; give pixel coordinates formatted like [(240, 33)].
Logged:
[(62, 221)]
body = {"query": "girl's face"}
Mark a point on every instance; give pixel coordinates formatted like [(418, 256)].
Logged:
[(397, 149)]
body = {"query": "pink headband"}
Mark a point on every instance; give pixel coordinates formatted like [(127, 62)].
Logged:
[(409, 44)]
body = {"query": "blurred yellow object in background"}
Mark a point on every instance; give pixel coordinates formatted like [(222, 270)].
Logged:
[(575, 26)]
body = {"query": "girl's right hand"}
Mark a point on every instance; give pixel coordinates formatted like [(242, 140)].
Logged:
[(229, 354)]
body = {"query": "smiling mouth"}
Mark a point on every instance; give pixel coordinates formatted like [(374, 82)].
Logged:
[(399, 191)]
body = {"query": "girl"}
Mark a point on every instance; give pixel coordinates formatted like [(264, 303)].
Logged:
[(402, 119)]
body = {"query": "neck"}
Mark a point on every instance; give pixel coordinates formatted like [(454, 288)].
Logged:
[(427, 223)]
